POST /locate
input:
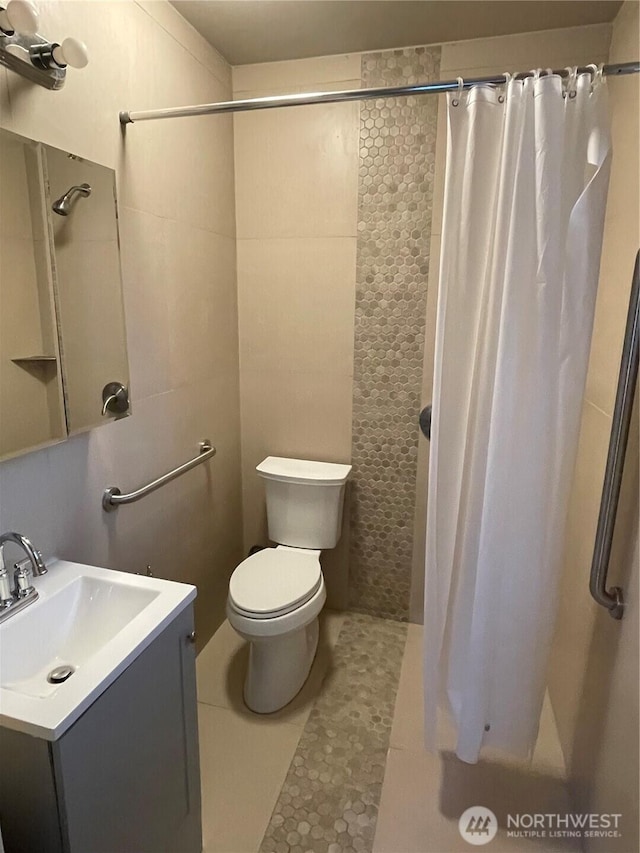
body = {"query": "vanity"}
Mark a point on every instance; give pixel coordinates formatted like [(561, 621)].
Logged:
[(98, 716)]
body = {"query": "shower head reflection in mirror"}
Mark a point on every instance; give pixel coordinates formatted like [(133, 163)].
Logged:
[(62, 205)]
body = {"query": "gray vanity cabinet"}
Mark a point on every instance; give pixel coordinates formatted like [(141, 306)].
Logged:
[(125, 777)]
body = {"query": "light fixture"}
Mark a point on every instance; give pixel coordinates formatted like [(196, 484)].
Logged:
[(20, 16), (71, 52), (24, 51)]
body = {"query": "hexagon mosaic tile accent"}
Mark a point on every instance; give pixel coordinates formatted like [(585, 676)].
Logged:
[(330, 797), (397, 165)]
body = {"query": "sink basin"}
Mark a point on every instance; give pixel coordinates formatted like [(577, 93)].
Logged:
[(93, 622), (75, 623)]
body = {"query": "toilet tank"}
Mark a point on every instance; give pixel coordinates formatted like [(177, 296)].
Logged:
[(304, 501)]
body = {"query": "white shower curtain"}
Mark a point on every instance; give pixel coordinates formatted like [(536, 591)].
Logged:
[(526, 184)]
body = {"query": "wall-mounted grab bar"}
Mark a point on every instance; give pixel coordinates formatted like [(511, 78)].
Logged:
[(113, 497), (612, 599)]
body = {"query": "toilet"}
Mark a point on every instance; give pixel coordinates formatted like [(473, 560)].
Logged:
[(276, 594)]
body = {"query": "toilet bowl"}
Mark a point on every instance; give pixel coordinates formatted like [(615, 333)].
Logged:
[(274, 600), (276, 594)]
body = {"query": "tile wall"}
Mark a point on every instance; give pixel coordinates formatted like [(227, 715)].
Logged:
[(177, 228), (395, 195), (296, 201), (593, 675)]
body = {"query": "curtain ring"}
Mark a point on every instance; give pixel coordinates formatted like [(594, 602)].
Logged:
[(594, 70), (535, 74), (455, 101), (507, 79), (598, 75), (572, 76)]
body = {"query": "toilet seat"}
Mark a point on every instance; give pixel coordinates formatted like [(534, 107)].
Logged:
[(274, 582)]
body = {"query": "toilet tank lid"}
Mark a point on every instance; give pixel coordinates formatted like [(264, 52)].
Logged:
[(303, 471)]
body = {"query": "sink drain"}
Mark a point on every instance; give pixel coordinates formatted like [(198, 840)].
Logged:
[(60, 673)]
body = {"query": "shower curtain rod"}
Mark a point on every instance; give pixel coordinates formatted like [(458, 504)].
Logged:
[(129, 117)]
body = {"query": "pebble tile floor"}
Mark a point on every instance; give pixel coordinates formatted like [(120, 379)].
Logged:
[(341, 769)]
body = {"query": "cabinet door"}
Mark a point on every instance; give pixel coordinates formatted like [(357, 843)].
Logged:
[(127, 772)]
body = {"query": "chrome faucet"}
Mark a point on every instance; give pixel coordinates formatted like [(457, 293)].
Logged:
[(23, 594), (37, 563)]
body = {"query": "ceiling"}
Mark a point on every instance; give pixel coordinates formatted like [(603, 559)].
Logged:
[(247, 31)]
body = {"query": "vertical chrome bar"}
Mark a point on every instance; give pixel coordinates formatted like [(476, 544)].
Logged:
[(612, 599)]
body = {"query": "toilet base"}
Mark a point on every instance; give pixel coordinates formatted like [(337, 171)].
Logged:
[(278, 668)]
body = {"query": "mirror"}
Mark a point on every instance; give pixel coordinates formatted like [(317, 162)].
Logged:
[(87, 285), (62, 331)]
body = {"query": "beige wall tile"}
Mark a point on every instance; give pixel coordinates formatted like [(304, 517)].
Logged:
[(593, 656), (181, 165), (623, 93), (296, 88), (555, 48), (622, 231), (297, 172), (145, 289), (301, 415), (577, 611), (202, 301), (296, 301), (300, 72), (296, 198), (620, 246), (191, 529), (202, 192)]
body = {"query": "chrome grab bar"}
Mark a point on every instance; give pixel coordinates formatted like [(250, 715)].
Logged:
[(113, 497), (612, 599)]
